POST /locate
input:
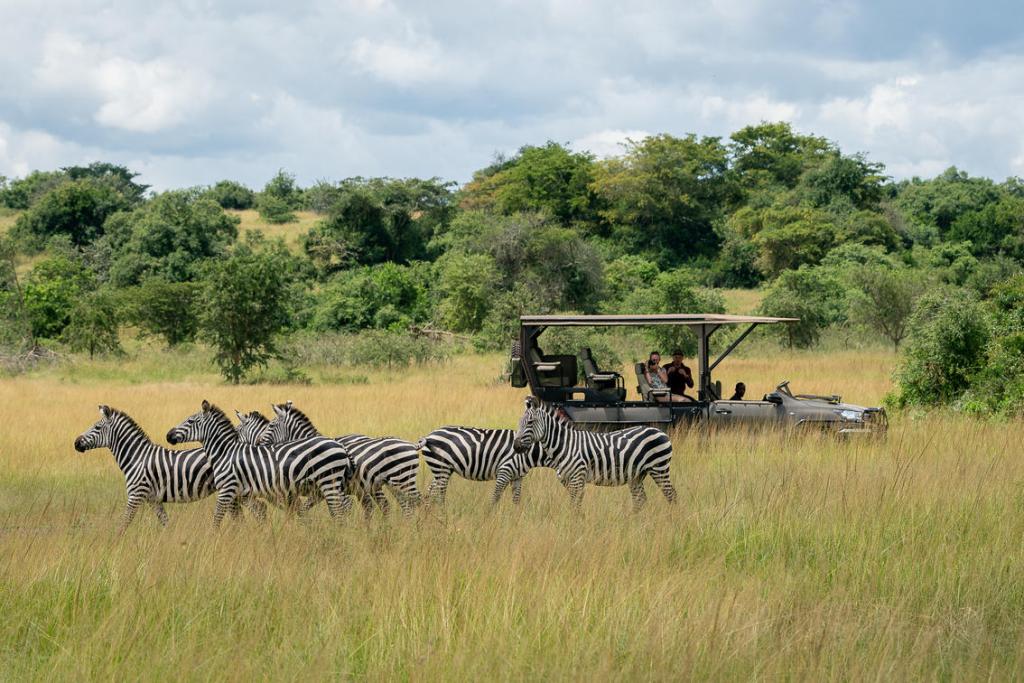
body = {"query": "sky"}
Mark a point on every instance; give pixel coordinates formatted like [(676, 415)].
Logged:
[(188, 93)]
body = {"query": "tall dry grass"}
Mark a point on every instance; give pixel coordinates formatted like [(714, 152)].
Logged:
[(290, 232), (787, 557)]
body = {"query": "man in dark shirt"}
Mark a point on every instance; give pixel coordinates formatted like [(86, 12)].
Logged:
[(679, 377)]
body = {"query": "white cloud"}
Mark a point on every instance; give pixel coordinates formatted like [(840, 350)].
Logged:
[(139, 96), (416, 61), (608, 143)]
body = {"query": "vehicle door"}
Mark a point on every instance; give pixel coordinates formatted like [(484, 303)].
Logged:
[(745, 412)]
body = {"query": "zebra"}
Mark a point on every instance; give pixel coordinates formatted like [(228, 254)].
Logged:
[(478, 455), (276, 471), (153, 474), (605, 459), (377, 462)]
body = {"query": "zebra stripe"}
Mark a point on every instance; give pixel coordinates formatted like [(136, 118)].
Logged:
[(377, 462), (478, 455), (604, 459), (276, 471), (152, 474)]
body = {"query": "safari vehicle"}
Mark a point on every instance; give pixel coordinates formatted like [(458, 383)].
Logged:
[(601, 401)]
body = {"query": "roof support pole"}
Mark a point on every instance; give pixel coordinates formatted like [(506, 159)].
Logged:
[(703, 371), (732, 346)]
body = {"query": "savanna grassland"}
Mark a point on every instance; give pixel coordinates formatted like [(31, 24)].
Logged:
[(787, 557)]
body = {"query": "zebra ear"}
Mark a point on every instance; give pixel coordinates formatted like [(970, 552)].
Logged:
[(241, 418), (562, 415), (105, 411), (288, 404), (278, 409), (206, 406), (530, 402)]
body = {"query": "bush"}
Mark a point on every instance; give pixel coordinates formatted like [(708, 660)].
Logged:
[(384, 296), (274, 209), (466, 285), (999, 386), (949, 332), (51, 290), (77, 209), (393, 348), (169, 237), (231, 195), (673, 291), (94, 324), (165, 309), (815, 295)]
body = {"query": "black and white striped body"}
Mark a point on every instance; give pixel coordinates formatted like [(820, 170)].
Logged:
[(618, 458), (377, 462), (152, 474), (478, 455), (276, 471)]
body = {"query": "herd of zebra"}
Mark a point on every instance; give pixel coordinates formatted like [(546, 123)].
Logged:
[(286, 462)]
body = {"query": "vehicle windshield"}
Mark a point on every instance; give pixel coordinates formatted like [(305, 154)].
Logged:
[(783, 388)]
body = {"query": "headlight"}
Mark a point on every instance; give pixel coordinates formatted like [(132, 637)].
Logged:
[(850, 415)]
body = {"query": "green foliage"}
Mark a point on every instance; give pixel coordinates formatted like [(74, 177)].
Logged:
[(94, 324), (773, 153), (839, 177), (51, 290), (273, 209), (75, 208), (466, 284), (15, 326), (673, 291), (664, 194), (997, 227), (169, 237), (387, 295), (165, 309), (245, 303), (941, 201), (949, 332), (22, 193), (231, 195), (279, 199), (882, 298), (118, 178), (500, 327), (815, 295), (550, 179), (792, 236), (391, 348), (627, 274)]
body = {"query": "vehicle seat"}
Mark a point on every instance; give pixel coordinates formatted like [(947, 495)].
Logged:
[(606, 382), (644, 388)]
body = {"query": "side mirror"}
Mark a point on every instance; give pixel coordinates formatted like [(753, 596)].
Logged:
[(773, 398)]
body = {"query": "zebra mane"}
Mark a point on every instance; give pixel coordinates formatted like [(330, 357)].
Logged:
[(257, 415), (297, 414), (220, 415), (557, 412), (129, 420)]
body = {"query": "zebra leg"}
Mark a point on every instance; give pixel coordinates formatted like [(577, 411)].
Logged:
[(517, 491), (439, 486), (408, 497), (503, 479), (134, 501), (161, 514), (664, 482), (366, 500), (307, 504), (575, 487), (636, 487), (257, 508), (226, 501), (338, 502)]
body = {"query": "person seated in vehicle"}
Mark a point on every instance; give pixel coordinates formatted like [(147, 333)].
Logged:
[(657, 378), (678, 375), (741, 391)]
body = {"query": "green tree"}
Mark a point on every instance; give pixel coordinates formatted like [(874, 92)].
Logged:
[(165, 309), (792, 236), (387, 295), (118, 178), (466, 284), (949, 333), (15, 326), (664, 194), (839, 177), (773, 153), (169, 237), (231, 195), (76, 208), (939, 202), (673, 291), (279, 199), (244, 305), (52, 288), (882, 298), (94, 324), (22, 193), (815, 295)]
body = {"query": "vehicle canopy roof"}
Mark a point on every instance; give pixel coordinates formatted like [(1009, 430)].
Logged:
[(650, 319)]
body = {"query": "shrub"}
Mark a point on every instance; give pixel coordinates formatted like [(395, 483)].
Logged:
[(949, 331), (673, 291), (94, 324), (394, 348), (231, 195), (466, 285), (274, 209), (815, 295), (50, 292), (77, 209), (387, 295), (165, 309), (882, 298)]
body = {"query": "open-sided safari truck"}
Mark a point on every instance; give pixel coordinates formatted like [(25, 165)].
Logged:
[(601, 400)]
